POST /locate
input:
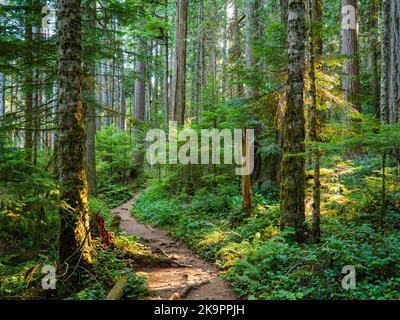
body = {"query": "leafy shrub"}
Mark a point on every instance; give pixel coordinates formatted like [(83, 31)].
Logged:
[(278, 269), (113, 155), (114, 195), (262, 262), (109, 266)]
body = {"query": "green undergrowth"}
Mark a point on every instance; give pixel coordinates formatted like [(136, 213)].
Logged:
[(22, 280), (112, 264), (21, 269), (114, 195), (261, 262)]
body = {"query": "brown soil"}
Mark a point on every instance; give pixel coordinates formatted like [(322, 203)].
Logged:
[(190, 277)]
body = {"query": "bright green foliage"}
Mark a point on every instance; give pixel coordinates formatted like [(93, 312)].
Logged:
[(20, 269), (28, 199), (114, 195), (109, 267), (277, 269), (200, 204), (262, 263), (114, 155)]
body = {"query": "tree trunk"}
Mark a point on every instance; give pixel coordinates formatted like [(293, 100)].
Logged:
[(254, 73), (224, 53), (394, 96), (28, 87), (149, 77), (293, 162), (122, 122), (385, 60), (140, 102), (2, 94), (156, 89), (314, 134), (75, 240), (236, 50), (383, 191), (280, 112), (201, 68), (105, 92), (252, 35), (166, 71), (123, 95), (140, 84), (351, 72), (246, 179), (373, 57), (37, 116), (178, 90), (284, 11), (100, 85), (213, 64)]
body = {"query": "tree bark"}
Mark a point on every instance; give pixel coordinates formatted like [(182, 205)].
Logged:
[(236, 50), (351, 71), (224, 53), (373, 57), (201, 68), (28, 87), (149, 83), (2, 94), (314, 134), (284, 11), (140, 83), (122, 124), (293, 162), (166, 71), (75, 240), (246, 179), (383, 190), (252, 34), (99, 95), (178, 90), (140, 102), (385, 60), (37, 103), (394, 96)]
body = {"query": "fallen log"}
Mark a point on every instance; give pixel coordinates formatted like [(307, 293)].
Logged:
[(183, 293)]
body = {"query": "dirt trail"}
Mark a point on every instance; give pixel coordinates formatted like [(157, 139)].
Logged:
[(191, 279)]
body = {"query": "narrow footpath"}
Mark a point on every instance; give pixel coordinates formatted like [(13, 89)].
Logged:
[(190, 277)]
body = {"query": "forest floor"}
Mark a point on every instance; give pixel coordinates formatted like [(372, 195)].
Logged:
[(189, 277)]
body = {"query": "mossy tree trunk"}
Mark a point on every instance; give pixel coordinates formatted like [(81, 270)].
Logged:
[(293, 162), (75, 241)]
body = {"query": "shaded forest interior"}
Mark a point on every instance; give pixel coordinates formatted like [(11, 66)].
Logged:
[(82, 82)]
